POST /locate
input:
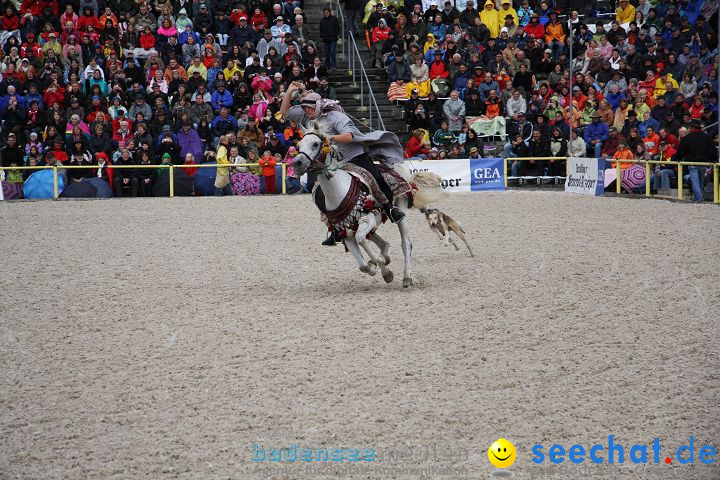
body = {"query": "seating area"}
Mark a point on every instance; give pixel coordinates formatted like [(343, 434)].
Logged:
[(638, 74)]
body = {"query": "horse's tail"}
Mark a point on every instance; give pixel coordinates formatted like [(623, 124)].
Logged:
[(429, 189)]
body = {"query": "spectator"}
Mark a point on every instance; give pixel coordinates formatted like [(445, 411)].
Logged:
[(664, 174), (696, 146), (454, 111), (595, 134), (329, 32)]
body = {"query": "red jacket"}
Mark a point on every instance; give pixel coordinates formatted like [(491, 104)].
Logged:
[(147, 41), (259, 22), (535, 31), (414, 147), (380, 34), (84, 21), (438, 70), (51, 97), (10, 23)]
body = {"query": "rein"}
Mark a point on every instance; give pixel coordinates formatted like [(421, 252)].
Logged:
[(317, 164)]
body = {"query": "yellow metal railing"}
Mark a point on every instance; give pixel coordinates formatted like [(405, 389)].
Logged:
[(171, 173), (618, 168), (648, 172)]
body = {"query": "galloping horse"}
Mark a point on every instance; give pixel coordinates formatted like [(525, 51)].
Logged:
[(352, 210)]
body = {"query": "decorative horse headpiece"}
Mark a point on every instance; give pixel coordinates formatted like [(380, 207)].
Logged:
[(313, 151)]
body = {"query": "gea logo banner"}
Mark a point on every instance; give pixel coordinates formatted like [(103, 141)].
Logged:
[(464, 175), (487, 174)]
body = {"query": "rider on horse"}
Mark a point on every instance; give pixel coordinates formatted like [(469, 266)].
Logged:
[(329, 115)]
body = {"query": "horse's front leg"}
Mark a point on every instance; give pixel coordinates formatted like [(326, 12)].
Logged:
[(354, 249), (365, 227), (383, 245), (404, 227)]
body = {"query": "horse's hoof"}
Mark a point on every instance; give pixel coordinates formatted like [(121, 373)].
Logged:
[(370, 268), (388, 277), (407, 281), (386, 259)]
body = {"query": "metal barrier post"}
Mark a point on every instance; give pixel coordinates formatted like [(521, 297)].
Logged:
[(647, 179), (284, 176), (505, 163), (618, 184), (716, 185), (55, 182), (172, 181), (680, 180)]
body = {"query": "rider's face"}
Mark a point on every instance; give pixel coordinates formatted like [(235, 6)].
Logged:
[(309, 110)]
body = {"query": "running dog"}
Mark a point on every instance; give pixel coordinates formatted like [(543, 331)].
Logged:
[(442, 224)]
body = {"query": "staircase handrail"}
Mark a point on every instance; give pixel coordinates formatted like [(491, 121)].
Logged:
[(351, 54)]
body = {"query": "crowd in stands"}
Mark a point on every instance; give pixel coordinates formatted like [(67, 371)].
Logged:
[(642, 78), (99, 82)]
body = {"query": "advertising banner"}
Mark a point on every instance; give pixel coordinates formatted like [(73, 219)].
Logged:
[(586, 176), (487, 174), (455, 173), (464, 175)]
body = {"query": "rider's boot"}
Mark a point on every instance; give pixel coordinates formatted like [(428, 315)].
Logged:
[(332, 239), (393, 213)]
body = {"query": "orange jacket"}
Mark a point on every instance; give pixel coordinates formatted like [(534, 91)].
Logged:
[(554, 32), (268, 166), (624, 154)]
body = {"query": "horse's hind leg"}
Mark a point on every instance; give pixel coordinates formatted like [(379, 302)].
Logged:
[(404, 227), (363, 265), (382, 245), (366, 225)]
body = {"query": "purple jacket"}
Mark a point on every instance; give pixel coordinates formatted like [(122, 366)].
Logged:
[(190, 143)]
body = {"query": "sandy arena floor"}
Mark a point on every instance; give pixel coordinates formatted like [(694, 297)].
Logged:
[(159, 338)]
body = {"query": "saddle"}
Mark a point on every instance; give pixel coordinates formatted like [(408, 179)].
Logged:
[(364, 196), (368, 184)]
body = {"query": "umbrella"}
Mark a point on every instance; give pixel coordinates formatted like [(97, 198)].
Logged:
[(81, 189), (103, 188), (40, 184), (11, 191), (633, 177), (183, 184), (205, 180)]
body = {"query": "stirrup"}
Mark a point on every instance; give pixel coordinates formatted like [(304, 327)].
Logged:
[(395, 214)]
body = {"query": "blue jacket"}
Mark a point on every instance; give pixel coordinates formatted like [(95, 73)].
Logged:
[(218, 100), (614, 99), (240, 36), (182, 38), (461, 82), (484, 88), (643, 126), (596, 131), (438, 30), (430, 55)]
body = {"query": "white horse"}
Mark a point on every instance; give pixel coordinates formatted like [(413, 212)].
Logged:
[(344, 198)]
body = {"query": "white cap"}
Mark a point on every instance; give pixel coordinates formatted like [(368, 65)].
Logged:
[(504, 29)]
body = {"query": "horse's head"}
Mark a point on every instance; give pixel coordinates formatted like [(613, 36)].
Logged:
[(314, 151)]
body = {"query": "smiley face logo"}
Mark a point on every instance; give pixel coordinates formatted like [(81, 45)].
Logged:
[(502, 453)]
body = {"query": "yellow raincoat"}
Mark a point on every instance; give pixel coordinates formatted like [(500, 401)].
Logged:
[(489, 16), (502, 13)]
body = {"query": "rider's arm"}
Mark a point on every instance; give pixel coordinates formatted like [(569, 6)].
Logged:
[(287, 99), (346, 137)]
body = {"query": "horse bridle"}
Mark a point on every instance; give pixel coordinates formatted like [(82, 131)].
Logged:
[(317, 164)]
